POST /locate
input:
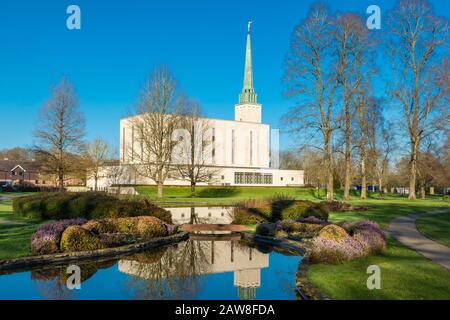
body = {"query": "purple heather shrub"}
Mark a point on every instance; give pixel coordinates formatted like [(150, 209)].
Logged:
[(47, 237), (312, 219), (367, 239), (171, 228), (372, 242), (334, 252), (368, 225)]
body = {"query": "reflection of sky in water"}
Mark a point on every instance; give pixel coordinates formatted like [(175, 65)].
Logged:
[(277, 281)]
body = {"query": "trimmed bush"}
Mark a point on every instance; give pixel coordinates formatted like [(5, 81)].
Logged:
[(296, 211), (144, 227), (48, 236), (334, 245), (100, 226), (258, 211), (266, 229), (76, 238), (317, 210), (245, 216), (334, 233), (337, 206), (90, 205), (293, 226)]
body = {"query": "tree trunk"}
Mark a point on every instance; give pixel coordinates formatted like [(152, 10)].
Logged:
[(422, 192), (330, 186), (60, 180), (347, 156), (95, 183), (193, 194), (363, 179), (413, 170), (160, 190)]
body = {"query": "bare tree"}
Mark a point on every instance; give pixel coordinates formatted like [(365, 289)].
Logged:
[(416, 36), (60, 132), (193, 155), (380, 143), (363, 70), (345, 33), (97, 154), (116, 175), (158, 117), (311, 77)]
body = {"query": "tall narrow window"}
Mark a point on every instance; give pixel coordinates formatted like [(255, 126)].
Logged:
[(132, 143), (123, 145), (213, 152), (251, 147), (233, 145)]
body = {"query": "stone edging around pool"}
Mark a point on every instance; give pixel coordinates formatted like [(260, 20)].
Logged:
[(6, 266), (305, 288)]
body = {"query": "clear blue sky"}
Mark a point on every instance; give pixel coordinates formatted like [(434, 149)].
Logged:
[(202, 42)]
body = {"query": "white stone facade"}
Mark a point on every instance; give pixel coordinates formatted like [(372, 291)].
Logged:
[(239, 151)]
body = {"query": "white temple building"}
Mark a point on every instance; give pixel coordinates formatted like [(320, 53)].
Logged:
[(241, 150)]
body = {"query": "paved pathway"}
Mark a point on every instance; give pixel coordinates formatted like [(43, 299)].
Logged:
[(404, 230)]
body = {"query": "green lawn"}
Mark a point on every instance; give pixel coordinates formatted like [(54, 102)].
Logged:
[(404, 275), (15, 232), (436, 227), (223, 195)]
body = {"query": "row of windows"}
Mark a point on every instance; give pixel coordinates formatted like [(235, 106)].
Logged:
[(253, 178)]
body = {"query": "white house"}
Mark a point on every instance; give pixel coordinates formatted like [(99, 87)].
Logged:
[(240, 150)]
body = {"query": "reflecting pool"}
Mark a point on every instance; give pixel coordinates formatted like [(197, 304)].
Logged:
[(207, 269)]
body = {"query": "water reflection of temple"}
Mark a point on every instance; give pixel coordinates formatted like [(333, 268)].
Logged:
[(210, 257), (214, 215)]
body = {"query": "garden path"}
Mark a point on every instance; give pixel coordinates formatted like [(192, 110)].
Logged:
[(404, 230)]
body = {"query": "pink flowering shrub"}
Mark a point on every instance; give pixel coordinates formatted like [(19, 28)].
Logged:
[(366, 239), (47, 237), (330, 251)]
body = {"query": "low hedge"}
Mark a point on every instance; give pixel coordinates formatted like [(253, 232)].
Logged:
[(254, 212), (89, 205), (79, 235), (301, 227), (76, 238)]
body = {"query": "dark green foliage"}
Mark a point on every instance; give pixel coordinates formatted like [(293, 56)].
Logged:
[(279, 208), (296, 210), (217, 192), (266, 229), (89, 205), (317, 210)]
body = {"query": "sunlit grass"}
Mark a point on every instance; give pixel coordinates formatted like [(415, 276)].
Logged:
[(404, 275), (436, 227)]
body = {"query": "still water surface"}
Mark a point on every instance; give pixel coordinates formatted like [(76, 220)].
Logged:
[(188, 270), (194, 269)]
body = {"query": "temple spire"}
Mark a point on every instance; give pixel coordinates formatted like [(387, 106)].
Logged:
[(248, 93)]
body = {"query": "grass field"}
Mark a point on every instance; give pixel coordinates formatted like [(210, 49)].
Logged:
[(15, 232), (404, 275), (436, 227), (224, 195)]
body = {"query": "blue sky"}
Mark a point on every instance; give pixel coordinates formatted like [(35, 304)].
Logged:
[(201, 41)]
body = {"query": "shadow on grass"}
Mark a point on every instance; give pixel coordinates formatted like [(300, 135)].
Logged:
[(218, 192)]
